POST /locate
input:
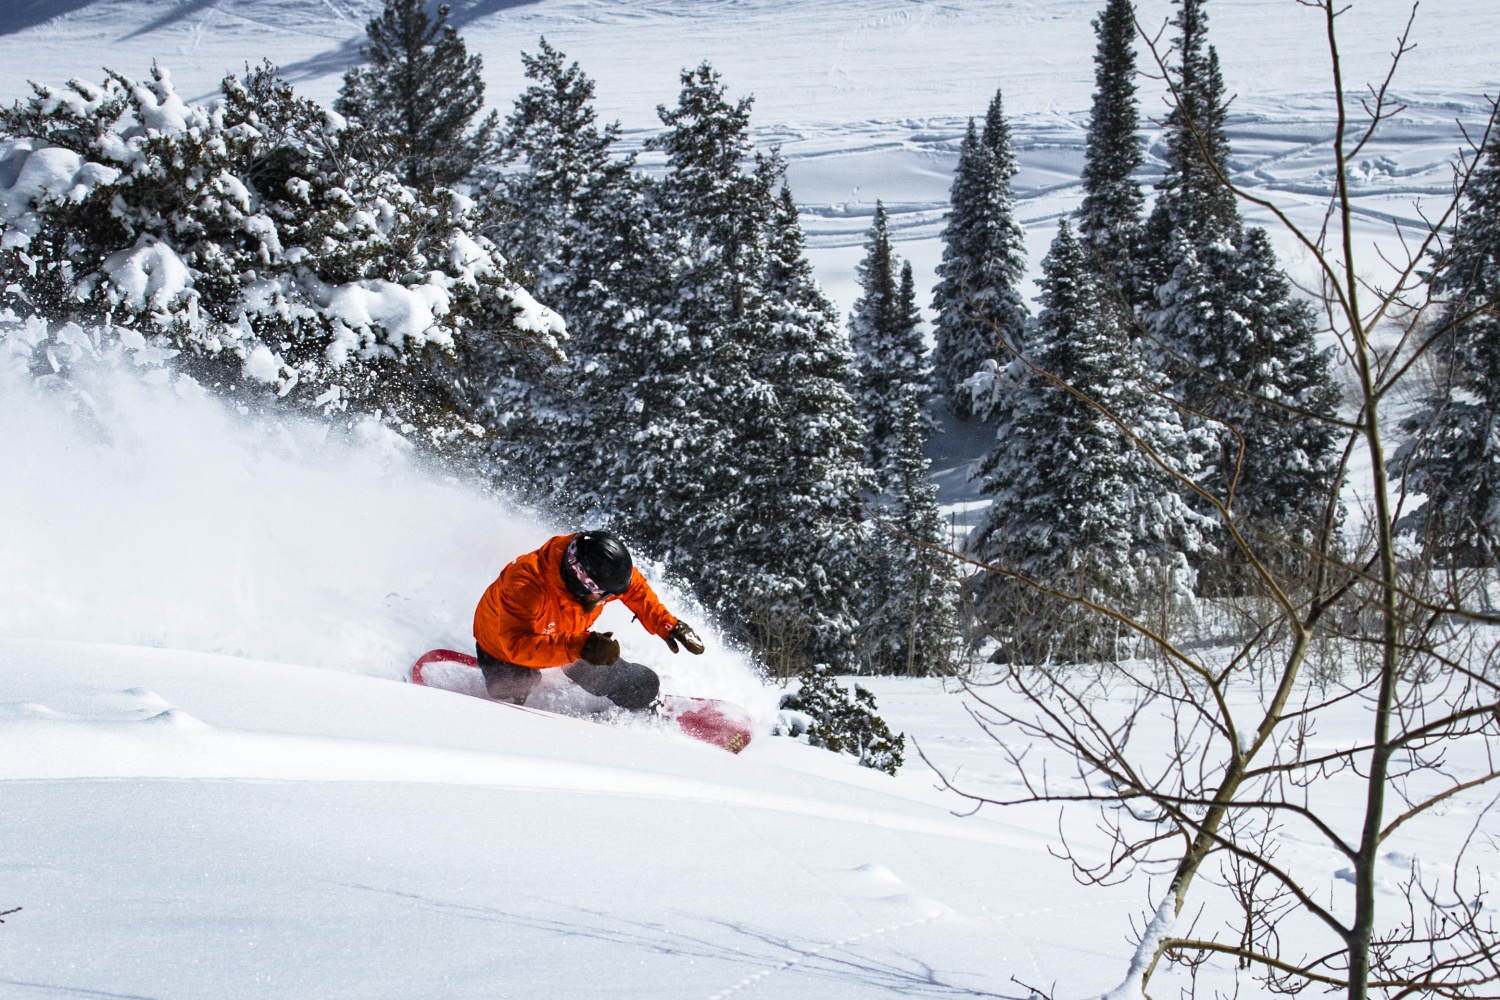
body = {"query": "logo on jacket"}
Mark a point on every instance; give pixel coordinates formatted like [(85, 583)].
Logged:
[(551, 628)]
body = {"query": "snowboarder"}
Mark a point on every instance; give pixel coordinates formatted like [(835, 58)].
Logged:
[(539, 612)]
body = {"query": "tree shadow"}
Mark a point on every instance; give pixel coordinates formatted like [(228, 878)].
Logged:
[(18, 15), (342, 56), (177, 13), (465, 12)]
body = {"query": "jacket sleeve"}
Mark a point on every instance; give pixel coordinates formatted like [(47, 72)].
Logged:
[(644, 604), (521, 607)]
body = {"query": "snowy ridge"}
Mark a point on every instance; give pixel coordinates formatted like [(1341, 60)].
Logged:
[(134, 733), (868, 98)]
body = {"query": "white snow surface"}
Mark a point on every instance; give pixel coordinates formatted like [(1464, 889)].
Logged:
[(195, 809), (216, 784)]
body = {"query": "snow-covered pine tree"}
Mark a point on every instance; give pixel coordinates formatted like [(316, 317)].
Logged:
[(844, 721), (978, 305), (799, 525), (569, 166), (742, 465), (996, 137), (1078, 507), (912, 627), (420, 85), (889, 354), (571, 214), (250, 236), (1191, 196), (1109, 220), (1245, 357), (1237, 345), (909, 308), (683, 476), (911, 592), (1452, 454)]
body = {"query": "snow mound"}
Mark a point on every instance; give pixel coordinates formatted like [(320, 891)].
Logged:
[(132, 706)]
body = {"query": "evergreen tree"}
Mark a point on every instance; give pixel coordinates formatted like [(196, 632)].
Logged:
[(910, 312), (1248, 361), (888, 349), (572, 215), (996, 138), (911, 592), (1078, 506), (912, 628), (984, 259), (1110, 216), (844, 721), (254, 240), (695, 381), (1237, 346), (421, 86), (1192, 197), (741, 422), (1453, 452), (570, 168), (799, 517)]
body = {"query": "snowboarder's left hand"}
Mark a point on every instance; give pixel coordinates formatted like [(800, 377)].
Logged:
[(683, 632)]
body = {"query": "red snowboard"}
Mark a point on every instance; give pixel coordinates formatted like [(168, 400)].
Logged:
[(717, 722)]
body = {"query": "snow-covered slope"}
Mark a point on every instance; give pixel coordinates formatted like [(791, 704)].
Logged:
[(182, 823), (193, 810), (833, 61), (868, 98)]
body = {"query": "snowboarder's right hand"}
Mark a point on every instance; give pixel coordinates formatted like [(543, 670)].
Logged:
[(601, 649)]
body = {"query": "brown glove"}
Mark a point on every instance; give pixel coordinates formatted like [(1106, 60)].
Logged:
[(683, 632), (601, 649)]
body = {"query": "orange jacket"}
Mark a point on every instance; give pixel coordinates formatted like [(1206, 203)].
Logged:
[(528, 617)]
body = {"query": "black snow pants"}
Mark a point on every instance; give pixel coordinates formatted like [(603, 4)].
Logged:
[(632, 686)]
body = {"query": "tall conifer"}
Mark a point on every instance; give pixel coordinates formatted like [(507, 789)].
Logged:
[(1453, 455), (913, 591), (1192, 197), (1239, 346), (573, 217), (889, 353), (977, 300), (1110, 216), (740, 417), (799, 518), (1247, 358), (1077, 505), (423, 87)]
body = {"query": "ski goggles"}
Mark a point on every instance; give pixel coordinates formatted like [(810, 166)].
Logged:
[(580, 574)]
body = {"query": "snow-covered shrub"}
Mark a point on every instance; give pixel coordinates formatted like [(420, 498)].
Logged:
[(844, 721), (262, 238)]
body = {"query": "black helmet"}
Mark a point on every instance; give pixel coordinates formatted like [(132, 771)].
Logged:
[(600, 559)]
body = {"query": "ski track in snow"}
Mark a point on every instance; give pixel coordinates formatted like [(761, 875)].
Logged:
[(868, 98)]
